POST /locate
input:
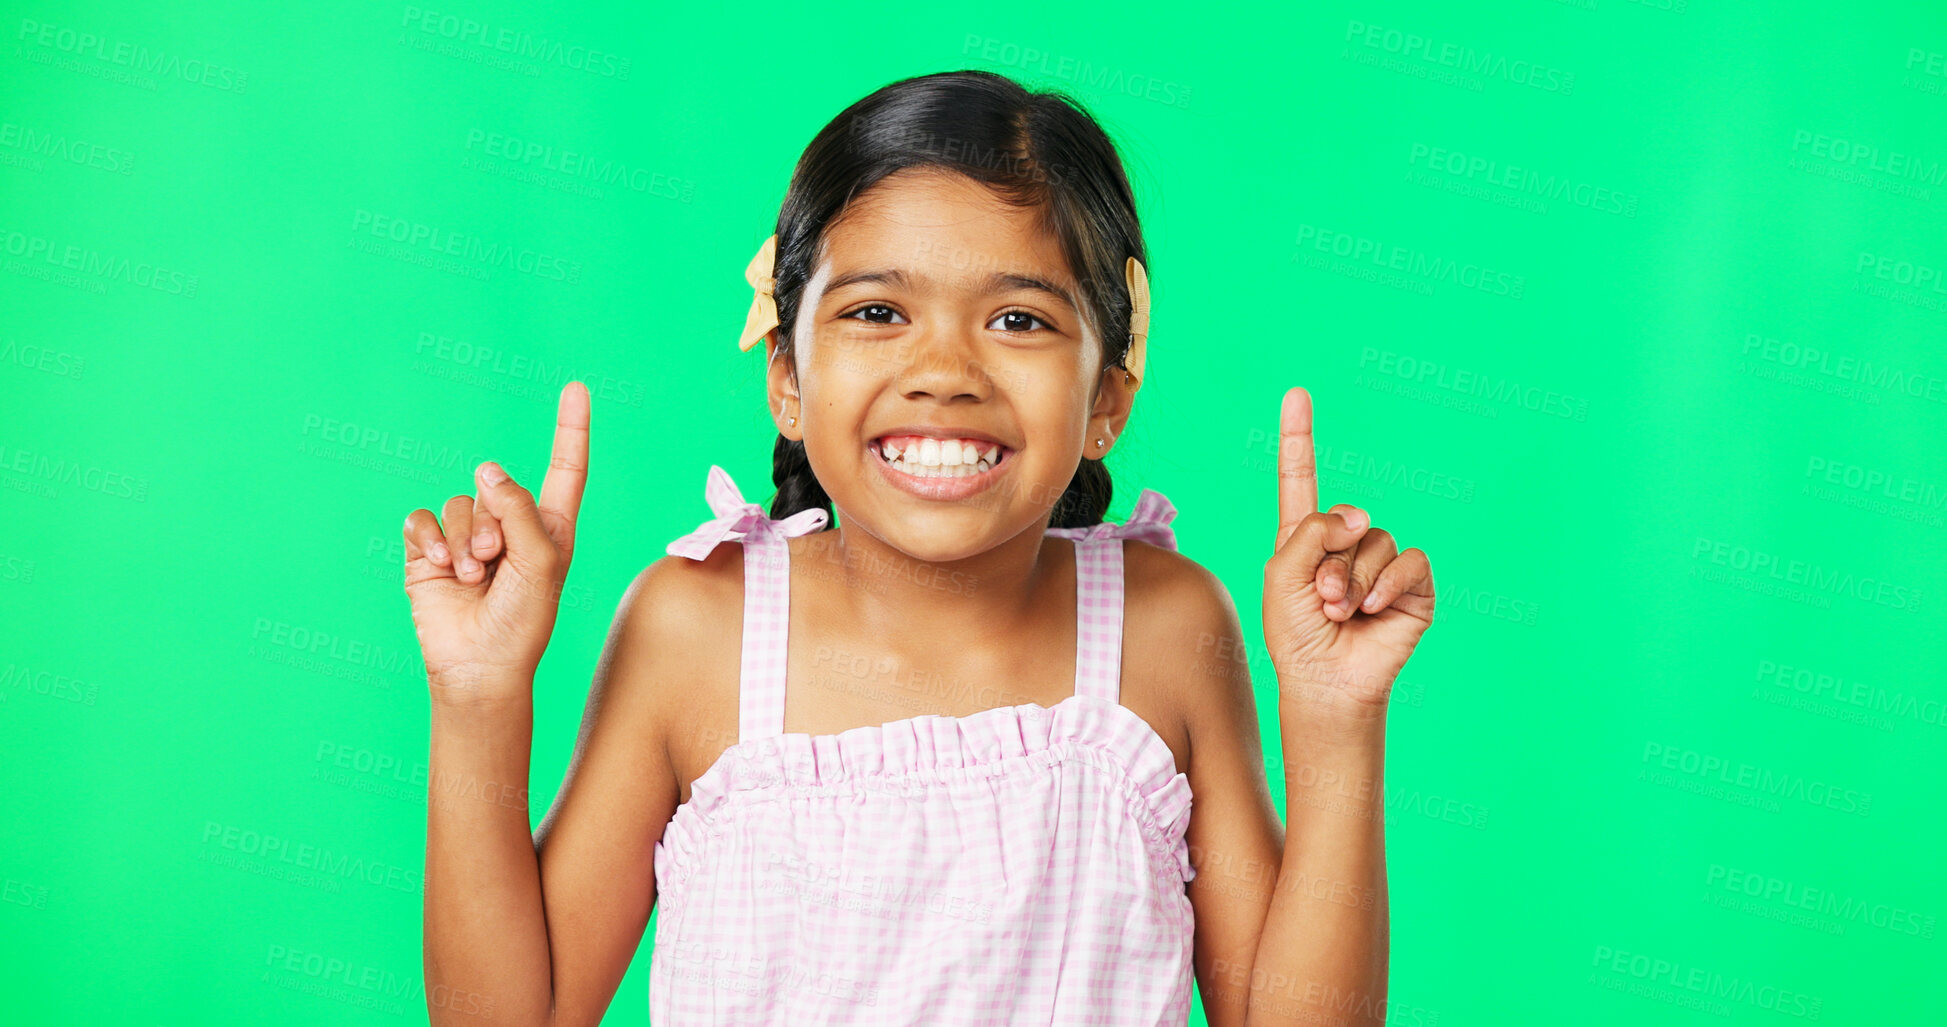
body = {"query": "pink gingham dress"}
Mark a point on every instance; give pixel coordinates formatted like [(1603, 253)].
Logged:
[(1021, 865)]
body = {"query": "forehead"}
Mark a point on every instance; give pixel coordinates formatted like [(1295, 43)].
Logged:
[(946, 228)]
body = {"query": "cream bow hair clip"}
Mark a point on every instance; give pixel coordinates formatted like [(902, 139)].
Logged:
[(762, 276)]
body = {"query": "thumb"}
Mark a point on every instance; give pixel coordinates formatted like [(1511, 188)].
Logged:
[(530, 552), (1317, 537)]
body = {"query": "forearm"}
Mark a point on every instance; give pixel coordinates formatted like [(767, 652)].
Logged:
[(1321, 958), (486, 936)]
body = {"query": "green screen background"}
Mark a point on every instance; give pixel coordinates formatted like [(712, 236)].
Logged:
[(1672, 434)]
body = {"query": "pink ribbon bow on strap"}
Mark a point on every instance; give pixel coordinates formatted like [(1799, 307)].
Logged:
[(737, 519), (1149, 522)]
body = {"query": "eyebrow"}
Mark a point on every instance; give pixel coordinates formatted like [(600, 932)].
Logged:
[(999, 281)]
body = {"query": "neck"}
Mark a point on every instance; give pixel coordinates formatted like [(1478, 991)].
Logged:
[(892, 592)]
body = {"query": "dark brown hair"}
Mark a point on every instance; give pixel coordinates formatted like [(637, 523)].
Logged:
[(1039, 150)]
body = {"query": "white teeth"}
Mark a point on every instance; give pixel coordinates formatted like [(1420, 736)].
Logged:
[(942, 458)]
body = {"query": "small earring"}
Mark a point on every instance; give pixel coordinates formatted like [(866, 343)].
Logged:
[(794, 420), (1098, 442)]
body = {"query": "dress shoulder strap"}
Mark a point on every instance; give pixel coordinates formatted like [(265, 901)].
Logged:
[(767, 594), (1099, 591)]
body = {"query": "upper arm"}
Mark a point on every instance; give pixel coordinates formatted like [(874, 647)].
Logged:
[(1236, 839), (596, 845)]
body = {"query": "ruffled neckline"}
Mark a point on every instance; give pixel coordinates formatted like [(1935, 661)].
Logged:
[(911, 755)]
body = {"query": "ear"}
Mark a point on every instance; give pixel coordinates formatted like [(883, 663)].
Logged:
[(781, 388), (1114, 400)]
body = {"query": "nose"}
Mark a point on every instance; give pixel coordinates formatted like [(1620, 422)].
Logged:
[(943, 362)]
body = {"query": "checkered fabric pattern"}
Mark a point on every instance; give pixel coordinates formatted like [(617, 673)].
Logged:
[(1021, 865)]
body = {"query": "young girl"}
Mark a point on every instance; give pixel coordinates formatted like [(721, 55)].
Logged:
[(974, 755)]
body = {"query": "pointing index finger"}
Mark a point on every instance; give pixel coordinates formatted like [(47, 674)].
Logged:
[(1297, 463), (568, 466)]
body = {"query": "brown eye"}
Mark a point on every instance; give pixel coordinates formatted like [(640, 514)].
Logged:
[(1018, 321), (877, 310)]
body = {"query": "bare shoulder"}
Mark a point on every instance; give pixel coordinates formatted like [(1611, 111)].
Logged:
[(682, 619), (1185, 644), (675, 596), (1183, 613)]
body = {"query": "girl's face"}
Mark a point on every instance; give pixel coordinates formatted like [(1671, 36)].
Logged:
[(938, 310)]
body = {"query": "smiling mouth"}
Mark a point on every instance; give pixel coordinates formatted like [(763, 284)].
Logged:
[(920, 457)]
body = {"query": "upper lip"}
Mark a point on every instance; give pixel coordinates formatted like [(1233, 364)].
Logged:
[(939, 432)]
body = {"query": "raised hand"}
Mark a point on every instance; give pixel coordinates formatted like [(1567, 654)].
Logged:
[(1343, 606), (485, 588)]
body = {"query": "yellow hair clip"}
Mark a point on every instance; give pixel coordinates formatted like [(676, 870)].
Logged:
[(762, 276)]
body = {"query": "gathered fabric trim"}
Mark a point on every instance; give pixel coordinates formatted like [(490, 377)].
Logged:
[(924, 754)]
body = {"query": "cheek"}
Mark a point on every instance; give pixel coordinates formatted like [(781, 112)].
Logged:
[(833, 401), (829, 373), (851, 357)]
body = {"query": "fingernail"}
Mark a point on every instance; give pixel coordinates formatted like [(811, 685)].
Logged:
[(440, 555), (491, 473), (1372, 602), (484, 540), (468, 564), (1355, 519)]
